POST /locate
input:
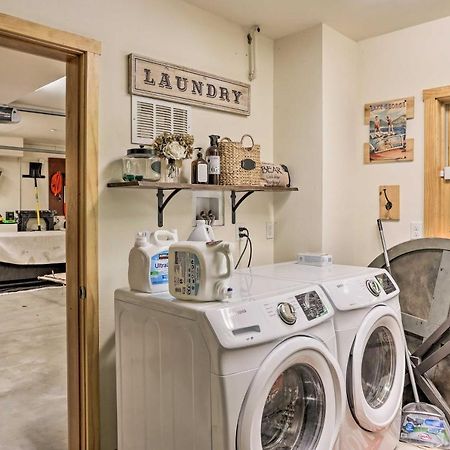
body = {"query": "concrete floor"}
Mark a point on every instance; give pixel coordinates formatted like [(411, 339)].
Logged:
[(33, 410), (411, 447)]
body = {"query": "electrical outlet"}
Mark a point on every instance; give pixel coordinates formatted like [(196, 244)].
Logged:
[(270, 230), (238, 225), (416, 230)]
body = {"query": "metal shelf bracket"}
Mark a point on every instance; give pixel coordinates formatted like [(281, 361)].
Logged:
[(235, 204), (163, 203)]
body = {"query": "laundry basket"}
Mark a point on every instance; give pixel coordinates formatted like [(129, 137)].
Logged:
[(239, 165)]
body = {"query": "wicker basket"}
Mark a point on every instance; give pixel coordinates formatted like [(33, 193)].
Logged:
[(239, 165)]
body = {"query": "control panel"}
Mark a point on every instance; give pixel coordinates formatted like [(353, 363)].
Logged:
[(261, 320), (361, 291), (311, 304), (386, 283)]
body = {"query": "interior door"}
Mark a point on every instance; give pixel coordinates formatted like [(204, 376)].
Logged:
[(295, 400), (437, 157), (376, 370)]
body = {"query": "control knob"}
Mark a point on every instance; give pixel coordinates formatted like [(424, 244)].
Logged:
[(287, 313), (374, 287)]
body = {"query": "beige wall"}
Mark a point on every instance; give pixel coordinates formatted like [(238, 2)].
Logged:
[(176, 32), (341, 156), (298, 141), (394, 65), (349, 75)]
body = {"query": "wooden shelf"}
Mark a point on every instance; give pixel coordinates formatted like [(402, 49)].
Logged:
[(177, 187), (196, 187)]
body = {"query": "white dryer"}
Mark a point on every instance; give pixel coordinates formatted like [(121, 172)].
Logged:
[(370, 342), (255, 373)]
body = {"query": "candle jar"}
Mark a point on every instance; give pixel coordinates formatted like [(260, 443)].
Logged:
[(141, 164)]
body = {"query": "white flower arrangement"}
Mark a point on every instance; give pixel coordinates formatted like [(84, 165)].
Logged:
[(174, 145)]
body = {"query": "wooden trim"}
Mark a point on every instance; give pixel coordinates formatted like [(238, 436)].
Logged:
[(409, 108), (20, 29), (81, 55), (441, 93), (88, 161), (434, 208)]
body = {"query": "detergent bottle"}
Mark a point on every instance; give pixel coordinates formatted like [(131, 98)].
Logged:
[(200, 271), (148, 263), (202, 232)]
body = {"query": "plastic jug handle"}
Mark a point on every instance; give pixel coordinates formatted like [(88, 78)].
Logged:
[(224, 248), (164, 236)]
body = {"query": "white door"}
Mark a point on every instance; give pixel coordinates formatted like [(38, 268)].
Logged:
[(296, 400), (376, 370)]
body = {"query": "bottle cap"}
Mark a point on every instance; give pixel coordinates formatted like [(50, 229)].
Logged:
[(141, 239), (214, 138)]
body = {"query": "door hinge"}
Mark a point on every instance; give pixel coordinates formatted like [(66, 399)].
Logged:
[(82, 293)]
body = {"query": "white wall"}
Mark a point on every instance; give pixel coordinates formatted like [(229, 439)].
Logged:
[(298, 141), (395, 65), (176, 32), (10, 178), (341, 157), (350, 74)]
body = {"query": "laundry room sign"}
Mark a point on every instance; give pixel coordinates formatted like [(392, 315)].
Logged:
[(165, 81)]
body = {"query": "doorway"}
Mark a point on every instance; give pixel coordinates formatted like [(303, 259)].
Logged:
[(80, 56)]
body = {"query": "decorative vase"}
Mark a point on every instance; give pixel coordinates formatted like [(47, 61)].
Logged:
[(172, 171)]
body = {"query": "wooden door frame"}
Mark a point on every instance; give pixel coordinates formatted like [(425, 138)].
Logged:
[(81, 56), (436, 205)]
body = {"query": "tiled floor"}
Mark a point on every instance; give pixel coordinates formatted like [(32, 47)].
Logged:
[(33, 410)]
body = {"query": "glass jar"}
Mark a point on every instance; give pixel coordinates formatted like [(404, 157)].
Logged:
[(141, 164)]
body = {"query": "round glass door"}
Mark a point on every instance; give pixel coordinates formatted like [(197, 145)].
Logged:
[(378, 367), (295, 400), (376, 370), (294, 411)]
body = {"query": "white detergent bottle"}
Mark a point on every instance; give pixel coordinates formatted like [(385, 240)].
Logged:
[(200, 271), (148, 263), (202, 232)]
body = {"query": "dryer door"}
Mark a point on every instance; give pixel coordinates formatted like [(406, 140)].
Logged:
[(295, 400), (376, 370)]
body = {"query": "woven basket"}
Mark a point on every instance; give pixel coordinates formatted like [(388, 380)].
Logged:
[(239, 165)]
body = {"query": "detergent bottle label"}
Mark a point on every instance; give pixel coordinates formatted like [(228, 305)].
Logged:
[(187, 273), (159, 268)]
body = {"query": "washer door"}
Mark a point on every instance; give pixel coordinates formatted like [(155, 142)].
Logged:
[(376, 370), (295, 400)]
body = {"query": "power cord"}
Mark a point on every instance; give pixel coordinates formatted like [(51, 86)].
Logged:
[(244, 233)]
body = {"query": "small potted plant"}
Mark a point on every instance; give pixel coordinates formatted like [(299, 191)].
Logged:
[(174, 147)]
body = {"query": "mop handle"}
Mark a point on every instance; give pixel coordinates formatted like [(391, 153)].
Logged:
[(407, 353), (38, 207), (383, 243)]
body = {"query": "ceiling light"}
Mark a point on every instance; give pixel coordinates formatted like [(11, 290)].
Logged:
[(53, 130)]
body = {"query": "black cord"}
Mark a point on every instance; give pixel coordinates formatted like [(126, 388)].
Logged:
[(242, 254), (251, 251)]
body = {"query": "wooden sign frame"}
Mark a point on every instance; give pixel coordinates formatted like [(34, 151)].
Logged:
[(170, 82), (409, 150)]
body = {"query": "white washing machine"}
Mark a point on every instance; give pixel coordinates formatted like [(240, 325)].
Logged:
[(257, 372), (370, 342)]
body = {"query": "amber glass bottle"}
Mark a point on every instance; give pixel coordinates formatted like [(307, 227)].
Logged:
[(213, 160), (199, 169)]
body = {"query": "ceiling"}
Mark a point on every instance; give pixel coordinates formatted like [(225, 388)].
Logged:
[(357, 19), (35, 82)]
